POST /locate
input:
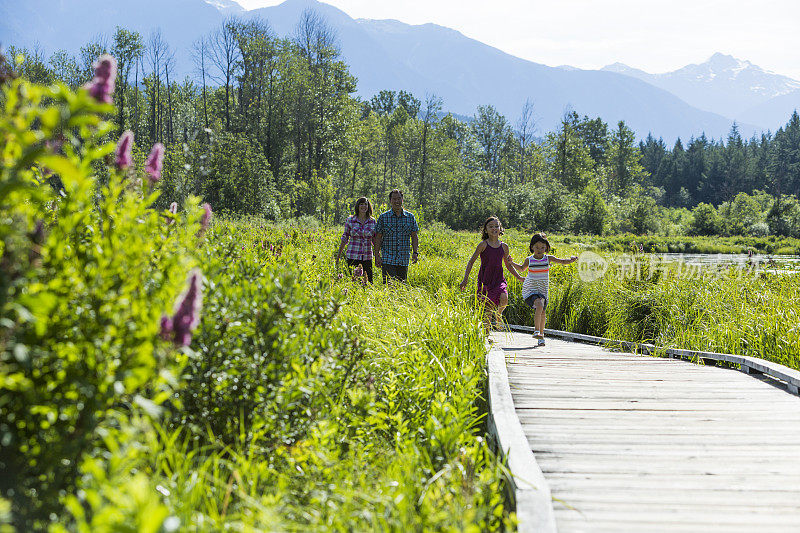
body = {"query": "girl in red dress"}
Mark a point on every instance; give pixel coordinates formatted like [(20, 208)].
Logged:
[(492, 286)]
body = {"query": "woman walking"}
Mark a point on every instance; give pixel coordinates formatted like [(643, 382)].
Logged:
[(359, 237)]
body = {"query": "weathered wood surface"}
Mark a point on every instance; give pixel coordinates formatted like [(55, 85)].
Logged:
[(637, 443)]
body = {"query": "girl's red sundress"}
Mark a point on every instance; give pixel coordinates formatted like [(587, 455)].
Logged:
[(491, 281)]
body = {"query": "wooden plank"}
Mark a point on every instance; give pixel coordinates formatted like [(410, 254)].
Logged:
[(667, 393), (584, 404), (664, 450), (567, 524), (643, 439), (702, 520), (655, 437), (690, 497), (701, 467), (684, 512), (700, 464), (717, 414), (788, 375), (667, 481), (588, 432)]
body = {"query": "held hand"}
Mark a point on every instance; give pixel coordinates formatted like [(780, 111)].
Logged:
[(414, 257), (463, 285), (573, 258), (378, 261)]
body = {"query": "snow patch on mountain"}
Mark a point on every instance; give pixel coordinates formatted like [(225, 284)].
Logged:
[(226, 6)]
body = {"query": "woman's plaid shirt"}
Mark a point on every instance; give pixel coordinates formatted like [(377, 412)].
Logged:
[(360, 235)]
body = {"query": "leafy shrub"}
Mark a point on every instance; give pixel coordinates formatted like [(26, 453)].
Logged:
[(591, 212), (784, 217), (553, 209), (740, 214), (641, 217), (272, 355), (239, 179), (87, 271), (466, 204), (759, 229), (706, 220)]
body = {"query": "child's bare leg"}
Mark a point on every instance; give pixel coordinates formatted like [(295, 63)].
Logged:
[(542, 320), (538, 316), (500, 308)]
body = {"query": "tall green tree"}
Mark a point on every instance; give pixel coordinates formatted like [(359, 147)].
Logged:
[(568, 157), (127, 48), (494, 135), (624, 159)]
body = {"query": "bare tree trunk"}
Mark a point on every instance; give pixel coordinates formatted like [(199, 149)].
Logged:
[(157, 51), (225, 55), (169, 64), (525, 128), (355, 170), (432, 106), (136, 103), (199, 51)]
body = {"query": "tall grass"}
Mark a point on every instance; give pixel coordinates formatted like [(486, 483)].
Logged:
[(753, 314), (401, 449), (712, 309)]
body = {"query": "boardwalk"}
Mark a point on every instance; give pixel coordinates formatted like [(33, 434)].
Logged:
[(637, 443)]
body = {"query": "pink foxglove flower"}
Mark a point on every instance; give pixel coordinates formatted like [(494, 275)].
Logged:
[(153, 164), (105, 73), (166, 327), (124, 159), (186, 316), (205, 220)]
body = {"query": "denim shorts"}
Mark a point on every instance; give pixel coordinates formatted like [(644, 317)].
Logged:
[(535, 296)]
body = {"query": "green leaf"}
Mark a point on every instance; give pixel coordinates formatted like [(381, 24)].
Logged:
[(70, 174)]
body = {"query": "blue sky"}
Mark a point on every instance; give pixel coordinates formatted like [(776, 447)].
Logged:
[(654, 35)]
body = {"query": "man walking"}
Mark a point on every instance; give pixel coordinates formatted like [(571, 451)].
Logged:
[(392, 234)]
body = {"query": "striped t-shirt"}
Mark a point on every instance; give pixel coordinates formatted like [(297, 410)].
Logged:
[(538, 278)]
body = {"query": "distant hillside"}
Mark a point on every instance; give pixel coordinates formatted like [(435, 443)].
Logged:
[(775, 112), (70, 24), (386, 54)]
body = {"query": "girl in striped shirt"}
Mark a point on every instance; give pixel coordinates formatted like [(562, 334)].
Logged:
[(534, 288)]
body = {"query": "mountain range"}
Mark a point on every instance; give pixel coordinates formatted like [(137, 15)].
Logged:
[(727, 86), (432, 59)]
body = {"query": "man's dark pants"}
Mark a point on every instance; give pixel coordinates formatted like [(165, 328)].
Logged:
[(394, 271)]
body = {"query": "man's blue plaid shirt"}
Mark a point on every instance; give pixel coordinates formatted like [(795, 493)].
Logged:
[(396, 230)]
